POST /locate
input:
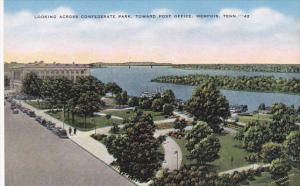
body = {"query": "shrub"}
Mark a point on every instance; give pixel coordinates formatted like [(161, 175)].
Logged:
[(271, 151), (98, 137), (252, 157), (108, 116)]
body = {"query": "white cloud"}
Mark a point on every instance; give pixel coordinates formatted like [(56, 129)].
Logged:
[(145, 37)]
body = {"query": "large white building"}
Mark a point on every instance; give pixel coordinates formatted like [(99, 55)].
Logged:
[(44, 70)]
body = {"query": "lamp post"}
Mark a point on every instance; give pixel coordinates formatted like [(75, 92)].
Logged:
[(93, 120), (63, 121), (176, 152)]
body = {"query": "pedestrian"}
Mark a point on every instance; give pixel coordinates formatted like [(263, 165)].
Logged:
[(75, 131), (70, 131)]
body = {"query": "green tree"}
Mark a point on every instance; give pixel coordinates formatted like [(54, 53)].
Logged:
[(88, 103), (255, 135), (168, 109), (122, 98), (207, 104), (271, 151), (262, 106), (157, 105), (133, 102), (32, 85), (186, 176), (206, 150), (200, 131), (145, 103), (113, 88), (136, 152), (279, 169), (180, 124), (168, 96), (292, 145), (82, 92)]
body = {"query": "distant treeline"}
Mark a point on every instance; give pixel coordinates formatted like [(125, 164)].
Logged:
[(295, 68), (243, 83)]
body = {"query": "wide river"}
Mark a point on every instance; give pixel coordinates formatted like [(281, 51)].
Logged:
[(138, 79)]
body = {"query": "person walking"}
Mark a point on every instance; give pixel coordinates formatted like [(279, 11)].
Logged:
[(75, 131), (70, 131)]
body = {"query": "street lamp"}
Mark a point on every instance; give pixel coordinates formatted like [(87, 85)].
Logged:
[(93, 120), (176, 152), (63, 121)]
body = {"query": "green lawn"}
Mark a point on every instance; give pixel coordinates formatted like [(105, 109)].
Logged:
[(266, 180), (229, 148), (260, 117), (38, 105), (100, 121), (128, 113)]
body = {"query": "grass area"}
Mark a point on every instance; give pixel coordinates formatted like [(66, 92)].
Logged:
[(266, 180), (100, 121), (260, 117), (129, 113), (229, 148), (38, 104)]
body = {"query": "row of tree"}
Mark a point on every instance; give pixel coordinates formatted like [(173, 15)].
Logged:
[(276, 142), (245, 67), (82, 97), (244, 83)]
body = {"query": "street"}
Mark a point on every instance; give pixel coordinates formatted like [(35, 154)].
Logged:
[(34, 156)]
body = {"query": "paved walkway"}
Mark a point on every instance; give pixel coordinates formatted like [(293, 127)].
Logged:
[(171, 120), (247, 167), (183, 116)]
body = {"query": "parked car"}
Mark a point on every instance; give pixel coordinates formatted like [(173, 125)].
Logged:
[(25, 110), (43, 122), (31, 113), (15, 111), (50, 125), (38, 119), (62, 133)]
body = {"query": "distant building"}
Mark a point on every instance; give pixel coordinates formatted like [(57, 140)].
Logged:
[(44, 70), (238, 108)]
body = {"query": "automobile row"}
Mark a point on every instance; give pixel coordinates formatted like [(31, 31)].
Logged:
[(15, 107)]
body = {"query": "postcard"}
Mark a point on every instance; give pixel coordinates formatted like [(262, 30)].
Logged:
[(183, 92)]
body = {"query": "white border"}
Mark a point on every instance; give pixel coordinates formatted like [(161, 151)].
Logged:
[(2, 177)]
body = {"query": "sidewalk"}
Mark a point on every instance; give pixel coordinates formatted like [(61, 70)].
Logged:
[(247, 167)]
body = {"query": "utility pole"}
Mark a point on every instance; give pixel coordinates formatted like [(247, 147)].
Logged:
[(176, 152)]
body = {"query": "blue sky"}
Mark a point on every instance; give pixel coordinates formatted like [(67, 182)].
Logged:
[(288, 7), (269, 35)]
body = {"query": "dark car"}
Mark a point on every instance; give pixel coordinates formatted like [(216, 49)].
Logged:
[(50, 125), (38, 119), (62, 133), (31, 113), (43, 122)]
